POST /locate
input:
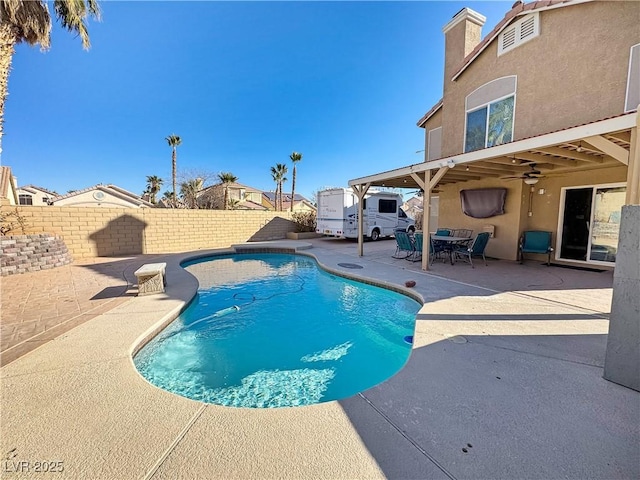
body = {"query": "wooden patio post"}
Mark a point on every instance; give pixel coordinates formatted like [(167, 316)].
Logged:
[(633, 169), (426, 216), (361, 191)]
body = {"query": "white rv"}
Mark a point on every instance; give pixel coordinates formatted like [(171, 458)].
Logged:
[(338, 214)]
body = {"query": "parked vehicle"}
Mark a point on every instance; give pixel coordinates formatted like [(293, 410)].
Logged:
[(338, 214)]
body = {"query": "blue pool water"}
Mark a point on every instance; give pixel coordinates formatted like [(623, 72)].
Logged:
[(274, 330)]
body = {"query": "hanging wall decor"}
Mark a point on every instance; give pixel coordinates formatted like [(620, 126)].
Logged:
[(483, 202)]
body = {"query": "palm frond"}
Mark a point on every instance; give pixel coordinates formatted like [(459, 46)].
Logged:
[(30, 20), (173, 140), (72, 15)]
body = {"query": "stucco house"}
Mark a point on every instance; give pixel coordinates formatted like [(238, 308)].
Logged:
[(8, 189), (241, 197), (32, 195), (300, 203), (544, 109), (101, 196)]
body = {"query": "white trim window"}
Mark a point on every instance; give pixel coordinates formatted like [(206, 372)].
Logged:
[(632, 98), (25, 199), (519, 32), (490, 114)]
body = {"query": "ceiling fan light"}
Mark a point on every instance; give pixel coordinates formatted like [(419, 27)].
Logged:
[(530, 180)]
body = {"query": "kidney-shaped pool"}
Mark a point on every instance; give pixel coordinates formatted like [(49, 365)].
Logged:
[(275, 330)]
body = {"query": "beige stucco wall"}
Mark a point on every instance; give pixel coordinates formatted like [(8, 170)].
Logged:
[(86, 199), (507, 227), (574, 72), (99, 231), (545, 208)]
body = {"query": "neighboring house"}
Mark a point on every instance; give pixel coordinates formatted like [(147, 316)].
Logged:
[(101, 196), (300, 204), (32, 195), (8, 189), (413, 208), (241, 197), (544, 107)]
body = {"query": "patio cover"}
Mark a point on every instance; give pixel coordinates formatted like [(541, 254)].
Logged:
[(591, 146)]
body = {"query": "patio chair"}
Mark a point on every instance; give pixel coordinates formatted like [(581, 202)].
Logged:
[(462, 232), (418, 244), (404, 245), (439, 249), (475, 249), (445, 232), (535, 241)]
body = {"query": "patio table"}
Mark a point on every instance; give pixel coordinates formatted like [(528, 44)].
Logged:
[(449, 243)]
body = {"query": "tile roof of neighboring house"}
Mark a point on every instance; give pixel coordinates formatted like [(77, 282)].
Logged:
[(110, 189), (519, 8), (285, 197), (30, 188), (428, 115), (233, 186), (249, 205)]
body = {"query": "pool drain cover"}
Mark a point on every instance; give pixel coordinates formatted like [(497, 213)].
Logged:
[(349, 265)]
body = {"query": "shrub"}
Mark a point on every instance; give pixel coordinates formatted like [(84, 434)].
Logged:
[(9, 221), (305, 221)]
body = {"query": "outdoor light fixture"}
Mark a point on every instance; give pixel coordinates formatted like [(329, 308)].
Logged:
[(530, 180), (579, 149)]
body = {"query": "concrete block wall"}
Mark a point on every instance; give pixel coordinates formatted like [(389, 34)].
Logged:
[(29, 253), (100, 232)]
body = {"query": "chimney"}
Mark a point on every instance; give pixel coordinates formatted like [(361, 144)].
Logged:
[(461, 35)]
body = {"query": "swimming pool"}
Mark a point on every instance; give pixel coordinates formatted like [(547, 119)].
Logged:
[(275, 330)]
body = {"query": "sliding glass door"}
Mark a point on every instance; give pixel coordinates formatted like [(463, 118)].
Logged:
[(590, 222)]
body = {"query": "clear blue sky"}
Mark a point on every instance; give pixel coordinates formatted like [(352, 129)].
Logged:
[(243, 83)]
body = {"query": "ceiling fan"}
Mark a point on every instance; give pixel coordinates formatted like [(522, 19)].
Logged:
[(530, 177)]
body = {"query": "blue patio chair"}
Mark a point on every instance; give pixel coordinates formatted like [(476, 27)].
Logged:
[(404, 245), (445, 232), (535, 241), (418, 244), (475, 249)]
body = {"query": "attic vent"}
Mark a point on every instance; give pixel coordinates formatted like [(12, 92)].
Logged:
[(508, 39), (527, 29), (520, 32)]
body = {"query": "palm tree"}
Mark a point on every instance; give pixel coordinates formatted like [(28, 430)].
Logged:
[(169, 197), (173, 140), (278, 174), (295, 158), (29, 21), (153, 187), (189, 192), (227, 178)]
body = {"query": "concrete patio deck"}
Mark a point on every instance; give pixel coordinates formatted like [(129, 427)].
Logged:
[(504, 381)]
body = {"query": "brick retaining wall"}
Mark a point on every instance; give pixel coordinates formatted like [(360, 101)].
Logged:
[(102, 232), (29, 253)]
